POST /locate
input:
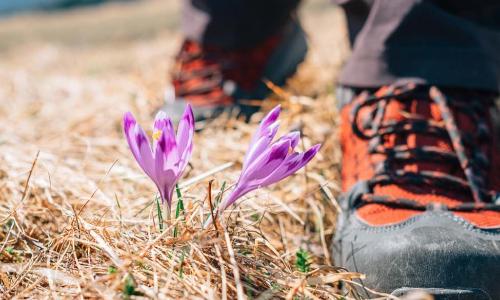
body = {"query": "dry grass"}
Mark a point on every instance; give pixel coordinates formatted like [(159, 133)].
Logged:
[(75, 210)]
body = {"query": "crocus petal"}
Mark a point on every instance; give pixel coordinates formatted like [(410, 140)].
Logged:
[(291, 165), (294, 138), (128, 121), (137, 141), (267, 129), (235, 194), (251, 178), (165, 178), (160, 121), (271, 117), (185, 132), (128, 128), (269, 120), (169, 187), (140, 144), (262, 143), (158, 125), (268, 161), (168, 147), (160, 162), (185, 129), (162, 152)]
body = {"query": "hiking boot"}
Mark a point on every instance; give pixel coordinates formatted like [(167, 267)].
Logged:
[(214, 80), (421, 175)]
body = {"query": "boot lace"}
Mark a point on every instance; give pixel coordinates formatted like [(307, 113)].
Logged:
[(466, 153)]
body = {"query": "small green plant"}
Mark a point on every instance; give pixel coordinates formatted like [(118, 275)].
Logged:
[(9, 223), (276, 287), (255, 217), (248, 284), (129, 287), (303, 261), (10, 250), (245, 252), (112, 270)]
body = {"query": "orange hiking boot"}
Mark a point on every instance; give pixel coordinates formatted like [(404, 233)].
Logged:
[(214, 80), (421, 175)]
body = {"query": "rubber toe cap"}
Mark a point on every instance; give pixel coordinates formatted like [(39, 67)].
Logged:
[(431, 250)]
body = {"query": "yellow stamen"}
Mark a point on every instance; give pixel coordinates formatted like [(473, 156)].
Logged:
[(156, 135)]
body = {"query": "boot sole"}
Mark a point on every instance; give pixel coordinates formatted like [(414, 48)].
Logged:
[(442, 294)]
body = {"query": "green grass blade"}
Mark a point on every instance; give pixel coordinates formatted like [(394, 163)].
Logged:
[(218, 198), (181, 268), (180, 203), (179, 208), (160, 215)]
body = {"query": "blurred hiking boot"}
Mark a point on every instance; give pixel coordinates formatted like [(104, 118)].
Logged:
[(421, 175), (214, 80)]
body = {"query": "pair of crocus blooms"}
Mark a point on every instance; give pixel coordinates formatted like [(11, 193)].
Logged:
[(266, 162)]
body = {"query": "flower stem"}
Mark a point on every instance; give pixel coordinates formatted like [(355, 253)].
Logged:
[(168, 214)]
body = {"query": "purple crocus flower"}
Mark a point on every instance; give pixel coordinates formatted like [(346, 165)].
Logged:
[(165, 162), (265, 162)]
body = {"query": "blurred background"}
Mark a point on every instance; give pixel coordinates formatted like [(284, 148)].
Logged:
[(93, 56), (17, 6)]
